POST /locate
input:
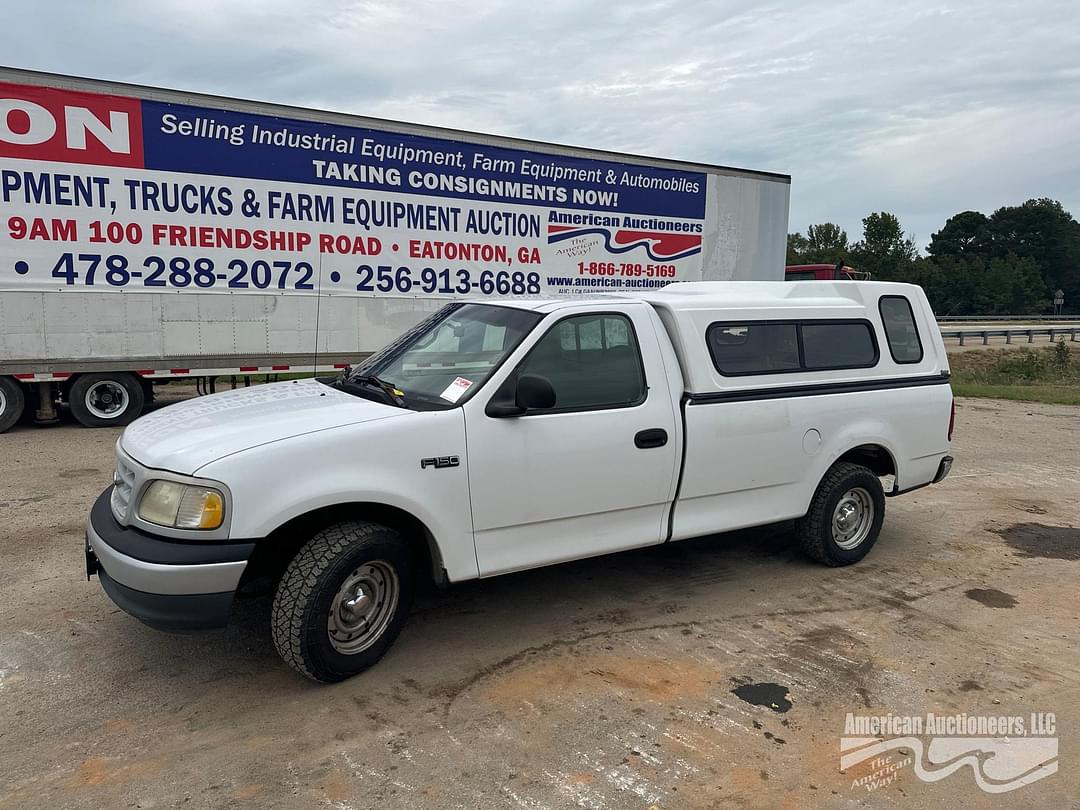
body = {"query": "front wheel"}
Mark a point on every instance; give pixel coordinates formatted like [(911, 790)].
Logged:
[(845, 516), (343, 600)]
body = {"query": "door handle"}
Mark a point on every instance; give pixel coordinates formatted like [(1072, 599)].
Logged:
[(653, 437)]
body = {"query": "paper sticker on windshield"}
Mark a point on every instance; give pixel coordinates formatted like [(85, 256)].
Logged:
[(455, 389)]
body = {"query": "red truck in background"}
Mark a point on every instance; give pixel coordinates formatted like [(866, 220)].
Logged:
[(824, 272)]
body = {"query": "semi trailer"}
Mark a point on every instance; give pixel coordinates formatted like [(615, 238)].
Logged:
[(148, 235)]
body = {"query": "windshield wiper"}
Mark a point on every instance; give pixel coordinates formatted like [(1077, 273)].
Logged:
[(344, 381), (393, 394)]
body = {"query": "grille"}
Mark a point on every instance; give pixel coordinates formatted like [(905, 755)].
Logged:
[(124, 481)]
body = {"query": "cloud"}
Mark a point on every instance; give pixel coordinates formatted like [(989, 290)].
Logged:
[(920, 108)]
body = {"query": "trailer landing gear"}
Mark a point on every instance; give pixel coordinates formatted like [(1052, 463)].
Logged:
[(46, 408)]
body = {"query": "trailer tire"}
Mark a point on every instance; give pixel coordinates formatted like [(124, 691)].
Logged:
[(343, 600), (105, 399), (845, 516), (12, 402)]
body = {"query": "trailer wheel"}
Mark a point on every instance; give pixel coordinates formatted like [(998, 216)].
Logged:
[(12, 402), (343, 600), (845, 516), (107, 398)]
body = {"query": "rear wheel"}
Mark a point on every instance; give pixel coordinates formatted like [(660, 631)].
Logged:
[(12, 402), (343, 600), (104, 399), (845, 516)]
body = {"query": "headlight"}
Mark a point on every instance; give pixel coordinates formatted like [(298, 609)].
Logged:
[(182, 506)]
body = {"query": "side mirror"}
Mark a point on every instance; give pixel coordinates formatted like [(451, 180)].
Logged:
[(531, 393), (535, 393)]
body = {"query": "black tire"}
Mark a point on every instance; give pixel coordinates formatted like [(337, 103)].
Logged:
[(106, 399), (12, 402), (819, 534), (310, 590)]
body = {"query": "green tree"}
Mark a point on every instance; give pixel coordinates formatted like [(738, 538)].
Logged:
[(1044, 231), (1013, 285), (964, 234), (1008, 263), (972, 285), (826, 243), (796, 248), (884, 249)]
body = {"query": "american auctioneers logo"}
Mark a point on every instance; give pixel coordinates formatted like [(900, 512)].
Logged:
[(659, 246), (1003, 752)]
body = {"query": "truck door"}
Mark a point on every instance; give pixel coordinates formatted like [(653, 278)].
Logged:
[(595, 472)]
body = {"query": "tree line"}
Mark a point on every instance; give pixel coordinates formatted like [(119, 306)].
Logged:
[(1010, 262)]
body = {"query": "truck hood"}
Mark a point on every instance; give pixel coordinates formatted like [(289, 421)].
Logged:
[(191, 434)]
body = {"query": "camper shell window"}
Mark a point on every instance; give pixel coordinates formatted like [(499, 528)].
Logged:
[(902, 334), (742, 348)]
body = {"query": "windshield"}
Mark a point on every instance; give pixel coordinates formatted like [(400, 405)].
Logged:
[(448, 354)]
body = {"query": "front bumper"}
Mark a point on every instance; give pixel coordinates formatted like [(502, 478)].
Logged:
[(166, 584)]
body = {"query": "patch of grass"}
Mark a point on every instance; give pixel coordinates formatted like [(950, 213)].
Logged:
[(1047, 374), (1053, 394)]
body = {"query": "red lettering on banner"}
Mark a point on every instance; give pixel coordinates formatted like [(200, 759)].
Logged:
[(41, 123)]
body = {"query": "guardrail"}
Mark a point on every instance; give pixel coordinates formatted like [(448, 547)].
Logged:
[(1051, 331), (1013, 318)]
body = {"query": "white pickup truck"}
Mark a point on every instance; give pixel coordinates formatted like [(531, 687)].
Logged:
[(498, 436)]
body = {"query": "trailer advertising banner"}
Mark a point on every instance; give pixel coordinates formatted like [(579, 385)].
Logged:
[(112, 193)]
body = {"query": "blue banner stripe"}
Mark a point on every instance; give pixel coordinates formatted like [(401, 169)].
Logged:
[(183, 138)]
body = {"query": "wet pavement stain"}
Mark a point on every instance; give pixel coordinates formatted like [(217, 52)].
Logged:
[(991, 597), (770, 695), (1040, 540)]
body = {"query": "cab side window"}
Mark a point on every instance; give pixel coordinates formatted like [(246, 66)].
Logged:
[(900, 330), (592, 362)]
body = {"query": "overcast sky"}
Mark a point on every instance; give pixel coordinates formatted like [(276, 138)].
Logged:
[(922, 108)]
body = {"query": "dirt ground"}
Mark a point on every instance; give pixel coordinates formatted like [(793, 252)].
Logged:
[(712, 673)]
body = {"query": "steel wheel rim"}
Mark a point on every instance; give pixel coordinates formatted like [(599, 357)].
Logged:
[(106, 399), (363, 607), (852, 518), (3, 402)]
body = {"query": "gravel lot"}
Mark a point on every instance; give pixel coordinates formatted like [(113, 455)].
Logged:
[(705, 674)]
